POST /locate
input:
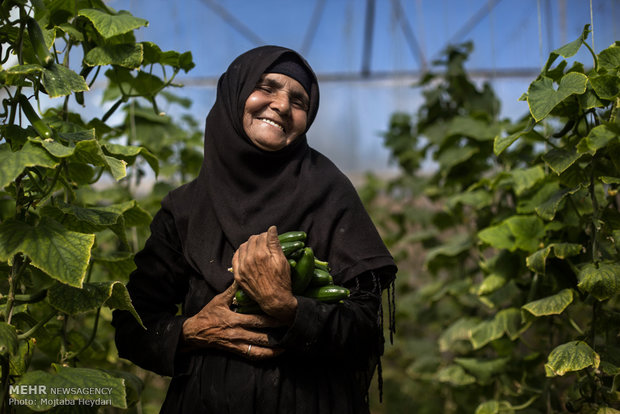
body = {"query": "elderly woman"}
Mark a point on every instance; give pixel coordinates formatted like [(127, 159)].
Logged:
[(300, 355)]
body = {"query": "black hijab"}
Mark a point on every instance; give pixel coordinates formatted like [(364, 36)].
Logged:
[(241, 189)]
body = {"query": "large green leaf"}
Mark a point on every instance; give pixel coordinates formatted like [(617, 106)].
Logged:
[(549, 207), (71, 386), (599, 137), (127, 55), (153, 54), (516, 232), (572, 356), (474, 198), (559, 159), (455, 375), (109, 25), (13, 163), (524, 179), (542, 97), (87, 151), (59, 80), (551, 305), (458, 331), (495, 407), (60, 253), (609, 58), (602, 281), (129, 154), (506, 321), (491, 283), (91, 296), (8, 339), (537, 260), (606, 86), (483, 369), (569, 49), (473, 128)]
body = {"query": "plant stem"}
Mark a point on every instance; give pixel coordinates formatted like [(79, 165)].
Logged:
[(93, 334), (16, 271), (36, 327)]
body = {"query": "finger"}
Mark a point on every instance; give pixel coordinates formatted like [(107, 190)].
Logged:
[(272, 240), (259, 353), (227, 295)]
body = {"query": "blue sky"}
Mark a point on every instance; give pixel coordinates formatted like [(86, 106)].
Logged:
[(507, 35)]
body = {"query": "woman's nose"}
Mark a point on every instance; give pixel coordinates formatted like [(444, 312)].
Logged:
[(281, 102)]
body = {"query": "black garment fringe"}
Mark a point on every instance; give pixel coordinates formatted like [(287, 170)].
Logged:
[(377, 288)]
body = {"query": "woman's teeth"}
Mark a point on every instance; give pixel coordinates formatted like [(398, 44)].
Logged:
[(270, 122)]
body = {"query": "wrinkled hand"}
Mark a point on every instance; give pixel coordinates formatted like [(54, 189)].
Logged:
[(262, 271), (216, 326)]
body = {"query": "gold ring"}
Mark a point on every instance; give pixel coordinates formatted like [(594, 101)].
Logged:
[(249, 349)]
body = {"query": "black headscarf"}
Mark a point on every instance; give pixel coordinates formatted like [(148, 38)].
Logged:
[(241, 189)]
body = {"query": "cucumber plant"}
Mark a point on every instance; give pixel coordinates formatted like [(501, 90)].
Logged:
[(69, 220), (514, 306)]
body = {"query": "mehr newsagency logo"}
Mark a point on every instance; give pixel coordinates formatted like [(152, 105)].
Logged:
[(39, 395)]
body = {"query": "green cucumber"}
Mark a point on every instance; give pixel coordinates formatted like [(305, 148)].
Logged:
[(290, 247), (38, 43), (327, 294), (321, 277), (301, 274), (252, 308), (242, 298), (321, 264), (292, 236), (37, 123)]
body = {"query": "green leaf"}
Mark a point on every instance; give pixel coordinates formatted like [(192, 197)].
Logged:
[(456, 245), (483, 369), (59, 80), (126, 55), (524, 179), (8, 339), (495, 407), (472, 128), (572, 356), (87, 151), (560, 159), (602, 282), (537, 261), (474, 198), (455, 375), (13, 163), (542, 97), (20, 361), (25, 69), (60, 253), (551, 305), (516, 232), (606, 86), (90, 297), (458, 331), (506, 321), (72, 384), (491, 283), (609, 58), (129, 154), (599, 137), (109, 25), (548, 208), (569, 49)]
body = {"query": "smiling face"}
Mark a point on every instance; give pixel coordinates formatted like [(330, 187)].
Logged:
[(276, 112)]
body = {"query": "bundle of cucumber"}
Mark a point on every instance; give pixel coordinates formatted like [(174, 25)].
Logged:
[(310, 276)]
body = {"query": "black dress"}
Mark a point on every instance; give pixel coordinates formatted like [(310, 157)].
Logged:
[(331, 349)]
